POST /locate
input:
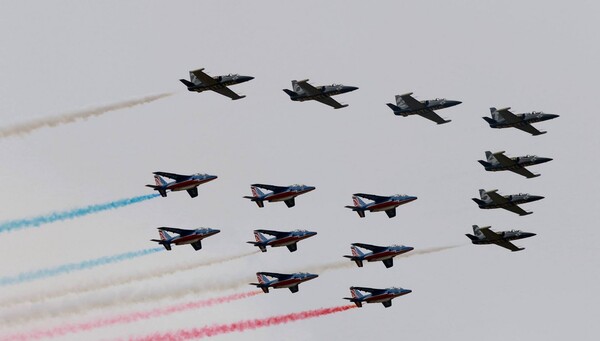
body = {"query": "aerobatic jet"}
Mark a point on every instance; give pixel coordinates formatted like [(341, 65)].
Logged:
[(286, 194), (500, 162), (192, 237), (379, 203), (290, 281), (200, 81), (306, 92), (483, 235), (383, 296), (385, 254), (407, 105), (503, 118), (287, 239), (491, 199), (187, 183)]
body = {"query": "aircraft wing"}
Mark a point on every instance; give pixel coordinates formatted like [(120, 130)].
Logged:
[(331, 102), (432, 116), (204, 78), (523, 171), (508, 116), (507, 245), (372, 196), (275, 274), (176, 177), (412, 103), (503, 159), (271, 187), (276, 234), (373, 248), (489, 234), (309, 89), (529, 128), (181, 232), (496, 198), (225, 91), (516, 209)]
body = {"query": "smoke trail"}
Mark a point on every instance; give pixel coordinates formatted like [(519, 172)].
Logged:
[(218, 329), (70, 267), (26, 128), (105, 283), (71, 214), (126, 318)]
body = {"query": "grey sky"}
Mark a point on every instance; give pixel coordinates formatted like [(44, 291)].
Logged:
[(60, 57)]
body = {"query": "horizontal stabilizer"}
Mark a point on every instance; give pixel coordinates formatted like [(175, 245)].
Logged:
[(394, 107), (489, 120), (290, 93), (484, 163), (187, 83)]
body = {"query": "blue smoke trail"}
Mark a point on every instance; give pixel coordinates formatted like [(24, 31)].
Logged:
[(71, 214), (70, 267)]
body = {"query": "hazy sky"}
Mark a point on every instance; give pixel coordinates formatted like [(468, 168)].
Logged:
[(65, 56)]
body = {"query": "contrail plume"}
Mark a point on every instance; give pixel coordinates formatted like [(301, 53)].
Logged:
[(219, 329), (125, 318), (70, 267), (20, 224), (28, 127)]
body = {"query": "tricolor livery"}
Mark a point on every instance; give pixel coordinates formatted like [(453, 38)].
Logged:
[(491, 199), (407, 105), (187, 183), (384, 254), (286, 194), (503, 118), (287, 239), (290, 281), (383, 296), (500, 162), (192, 237), (379, 203), (306, 92), (483, 236), (200, 81)]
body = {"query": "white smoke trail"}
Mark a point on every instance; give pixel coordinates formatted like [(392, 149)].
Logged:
[(28, 127)]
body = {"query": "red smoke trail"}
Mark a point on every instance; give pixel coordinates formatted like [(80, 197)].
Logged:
[(241, 326), (127, 318)]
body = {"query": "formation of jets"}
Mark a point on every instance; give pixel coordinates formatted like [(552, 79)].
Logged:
[(406, 105)]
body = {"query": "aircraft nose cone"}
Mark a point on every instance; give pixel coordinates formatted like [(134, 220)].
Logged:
[(536, 197), (246, 78), (544, 159), (407, 291), (350, 88), (453, 103), (410, 248), (310, 188)]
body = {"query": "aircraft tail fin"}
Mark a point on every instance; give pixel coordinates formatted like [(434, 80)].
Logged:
[(187, 83), (356, 251), (356, 294), (489, 156), (256, 192), (483, 195), (164, 236), (493, 110), (476, 231), (260, 238), (358, 202), (400, 102), (193, 78), (159, 181), (297, 88)]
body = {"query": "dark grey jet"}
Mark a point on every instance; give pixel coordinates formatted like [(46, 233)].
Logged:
[(306, 92), (407, 105), (503, 118), (500, 162), (491, 199), (200, 82), (483, 236)]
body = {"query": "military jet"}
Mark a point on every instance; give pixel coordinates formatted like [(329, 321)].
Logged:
[(385, 254), (306, 92), (379, 203), (500, 162), (383, 296), (192, 237), (483, 235), (200, 82), (278, 193), (503, 118), (290, 281), (407, 105), (187, 183), (491, 199), (288, 239)]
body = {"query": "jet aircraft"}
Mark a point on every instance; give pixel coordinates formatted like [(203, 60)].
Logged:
[(385, 254), (503, 118), (379, 203), (407, 105), (491, 199), (192, 237), (290, 281), (500, 162), (286, 194), (483, 235), (188, 183), (288, 239), (306, 92), (200, 82), (383, 296)]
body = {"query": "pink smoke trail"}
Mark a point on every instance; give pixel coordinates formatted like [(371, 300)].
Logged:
[(240, 326), (126, 318)]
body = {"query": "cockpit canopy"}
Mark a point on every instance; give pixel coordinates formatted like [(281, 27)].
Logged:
[(299, 230), (202, 175)]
